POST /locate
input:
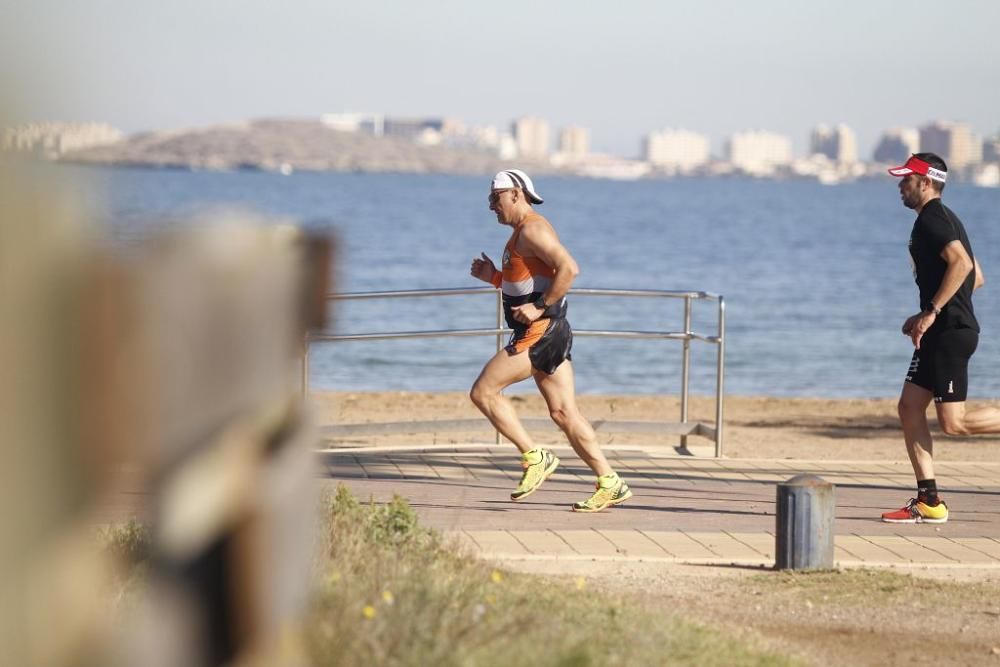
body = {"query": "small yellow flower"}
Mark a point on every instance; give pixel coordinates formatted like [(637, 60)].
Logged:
[(496, 577), (387, 597), (580, 583), (368, 611)]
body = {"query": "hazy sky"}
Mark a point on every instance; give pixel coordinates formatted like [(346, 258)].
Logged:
[(621, 68)]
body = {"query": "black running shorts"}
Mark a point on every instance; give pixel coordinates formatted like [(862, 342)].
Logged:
[(548, 342), (941, 365)]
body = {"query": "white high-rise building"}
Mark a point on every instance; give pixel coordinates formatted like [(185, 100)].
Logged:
[(952, 141), (54, 139), (532, 137), (371, 123), (837, 143), (991, 149), (758, 152), (896, 145), (676, 149), (574, 142)]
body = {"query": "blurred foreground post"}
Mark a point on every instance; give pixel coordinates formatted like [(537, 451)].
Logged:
[(173, 365), (218, 316), (804, 524)]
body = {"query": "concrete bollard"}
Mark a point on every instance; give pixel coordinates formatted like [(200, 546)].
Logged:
[(804, 524)]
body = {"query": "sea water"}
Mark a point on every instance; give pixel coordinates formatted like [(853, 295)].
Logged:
[(816, 279)]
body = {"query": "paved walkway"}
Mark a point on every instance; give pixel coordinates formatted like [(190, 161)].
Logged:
[(685, 509)]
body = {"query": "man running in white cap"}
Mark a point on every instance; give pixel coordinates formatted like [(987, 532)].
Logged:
[(536, 272), (944, 333)]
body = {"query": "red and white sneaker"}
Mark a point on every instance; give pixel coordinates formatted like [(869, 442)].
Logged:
[(916, 511)]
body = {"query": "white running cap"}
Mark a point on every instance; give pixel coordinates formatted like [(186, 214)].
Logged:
[(515, 178)]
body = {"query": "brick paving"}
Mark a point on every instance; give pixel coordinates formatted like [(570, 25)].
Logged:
[(685, 509)]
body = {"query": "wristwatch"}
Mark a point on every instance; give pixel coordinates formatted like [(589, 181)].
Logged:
[(540, 303), (931, 308)]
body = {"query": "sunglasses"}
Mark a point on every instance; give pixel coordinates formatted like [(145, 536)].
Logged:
[(495, 196)]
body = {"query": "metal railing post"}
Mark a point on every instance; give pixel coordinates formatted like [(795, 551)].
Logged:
[(720, 369), (685, 367), (305, 366), (499, 339)]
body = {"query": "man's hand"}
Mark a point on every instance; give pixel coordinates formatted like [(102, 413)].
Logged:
[(908, 324), (483, 268), (919, 324), (527, 313)]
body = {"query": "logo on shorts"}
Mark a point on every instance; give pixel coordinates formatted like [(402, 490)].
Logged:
[(951, 386)]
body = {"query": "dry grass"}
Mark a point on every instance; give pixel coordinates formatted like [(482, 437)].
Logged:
[(856, 617), (393, 594), (390, 592)]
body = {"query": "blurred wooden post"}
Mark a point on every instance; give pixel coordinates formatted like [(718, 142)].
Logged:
[(218, 342), (175, 365)]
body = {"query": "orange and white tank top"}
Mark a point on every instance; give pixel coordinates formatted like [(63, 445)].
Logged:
[(524, 279), (522, 276)]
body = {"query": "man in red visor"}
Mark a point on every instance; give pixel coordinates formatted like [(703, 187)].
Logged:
[(944, 333)]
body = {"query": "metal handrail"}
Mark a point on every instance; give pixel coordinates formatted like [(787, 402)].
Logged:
[(715, 432)]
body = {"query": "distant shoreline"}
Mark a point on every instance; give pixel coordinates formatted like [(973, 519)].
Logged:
[(287, 146), (73, 160)]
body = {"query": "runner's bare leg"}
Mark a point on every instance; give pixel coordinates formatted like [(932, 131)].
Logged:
[(499, 373), (913, 402), (954, 420), (560, 395)]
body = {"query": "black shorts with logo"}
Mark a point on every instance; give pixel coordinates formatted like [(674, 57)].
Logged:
[(941, 365)]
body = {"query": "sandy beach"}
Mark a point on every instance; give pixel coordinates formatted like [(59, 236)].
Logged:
[(755, 427)]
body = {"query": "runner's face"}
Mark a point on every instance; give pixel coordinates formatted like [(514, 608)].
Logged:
[(501, 203), (911, 190)]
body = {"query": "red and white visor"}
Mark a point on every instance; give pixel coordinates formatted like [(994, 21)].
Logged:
[(917, 166)]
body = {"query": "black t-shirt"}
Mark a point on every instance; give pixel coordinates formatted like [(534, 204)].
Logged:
[(934, 228)]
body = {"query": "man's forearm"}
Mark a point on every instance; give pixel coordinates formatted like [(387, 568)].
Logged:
[(561, 283), (954, 276)]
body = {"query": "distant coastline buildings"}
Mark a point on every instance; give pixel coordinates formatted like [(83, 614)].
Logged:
[(897, 144), (676, 151), (373, 124), (953, 142), (758, 152), (836, 143), (831, 156), (531, 134), (991, 149), (51, 140), (574, 142)]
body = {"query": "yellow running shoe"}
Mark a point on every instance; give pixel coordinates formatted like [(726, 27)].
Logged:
[(614, 493), (538, 464), (916, 511)]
